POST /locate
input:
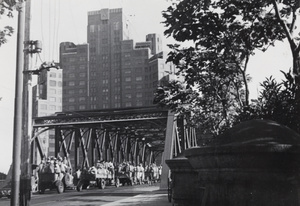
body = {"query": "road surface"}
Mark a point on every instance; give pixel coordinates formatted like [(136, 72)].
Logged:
[(107, 197)]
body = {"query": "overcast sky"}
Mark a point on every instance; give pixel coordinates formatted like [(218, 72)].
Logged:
[(55, 21)]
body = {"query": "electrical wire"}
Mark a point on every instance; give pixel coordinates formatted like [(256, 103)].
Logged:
[(41, 22), (74, 23), (49, 36), (54, 29), (58, 25)]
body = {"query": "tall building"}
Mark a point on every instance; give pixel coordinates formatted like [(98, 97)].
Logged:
[(118, 72), (74, 60), (47, 99)]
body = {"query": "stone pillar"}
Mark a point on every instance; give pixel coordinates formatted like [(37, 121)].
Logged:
[(185, 189)]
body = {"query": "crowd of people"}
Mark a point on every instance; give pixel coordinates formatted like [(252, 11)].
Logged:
[(139, 174), (54, 165)]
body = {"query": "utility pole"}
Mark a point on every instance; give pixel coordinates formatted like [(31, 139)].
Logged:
[(16, 169), (25, 181)]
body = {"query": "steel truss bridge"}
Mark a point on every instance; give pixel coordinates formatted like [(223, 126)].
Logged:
[(138, 135)]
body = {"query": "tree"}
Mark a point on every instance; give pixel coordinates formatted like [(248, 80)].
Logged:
[(224, 34), (276, 102), (6, 8)]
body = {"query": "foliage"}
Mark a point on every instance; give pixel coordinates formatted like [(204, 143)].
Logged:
[(276, 102), (224, 34), (6, 8)]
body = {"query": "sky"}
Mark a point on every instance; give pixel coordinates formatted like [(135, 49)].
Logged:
[(55, 21)]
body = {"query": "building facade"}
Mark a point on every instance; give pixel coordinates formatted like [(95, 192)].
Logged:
[(111, 70), (47, 99), (74, 60)]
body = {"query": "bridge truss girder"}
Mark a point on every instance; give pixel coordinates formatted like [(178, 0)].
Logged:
[(143, 135)]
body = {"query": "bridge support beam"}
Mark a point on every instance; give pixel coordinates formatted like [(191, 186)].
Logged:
[(168, 149)]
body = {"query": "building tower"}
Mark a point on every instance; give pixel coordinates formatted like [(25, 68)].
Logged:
[(119, 72)]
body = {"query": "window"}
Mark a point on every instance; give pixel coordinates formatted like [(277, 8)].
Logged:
[(82, 75), (52, 83), (139, 95), (81, 99), (52, 91), (72, 75), (116, 25), (52, 74), (59, 83), (71, 108), (139, 104), (92, 28), (128, 87), (128, 104), (138, 78), (52, 107), (127, 63), (52, 99), (128, 79), (71, 91), (81, 106), (71, 83), (71, 99), (82, 83), (128, 96), (44, 106), (82, 67), (81, 91)]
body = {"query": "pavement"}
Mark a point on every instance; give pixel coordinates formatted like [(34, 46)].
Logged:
[(147, 196), (153, 197)]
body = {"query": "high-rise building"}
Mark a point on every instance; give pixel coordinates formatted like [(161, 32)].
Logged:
[(118, 72), (74, 59), (47, 99)]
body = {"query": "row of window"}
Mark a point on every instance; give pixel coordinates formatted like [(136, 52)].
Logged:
[(73, 59), (73, 67), (72, 108), (54, 75), (73, 83), (55, 91), (72, 91), (80, 99), (72, 75), (50, 107), (54, 83), (116, 105)]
